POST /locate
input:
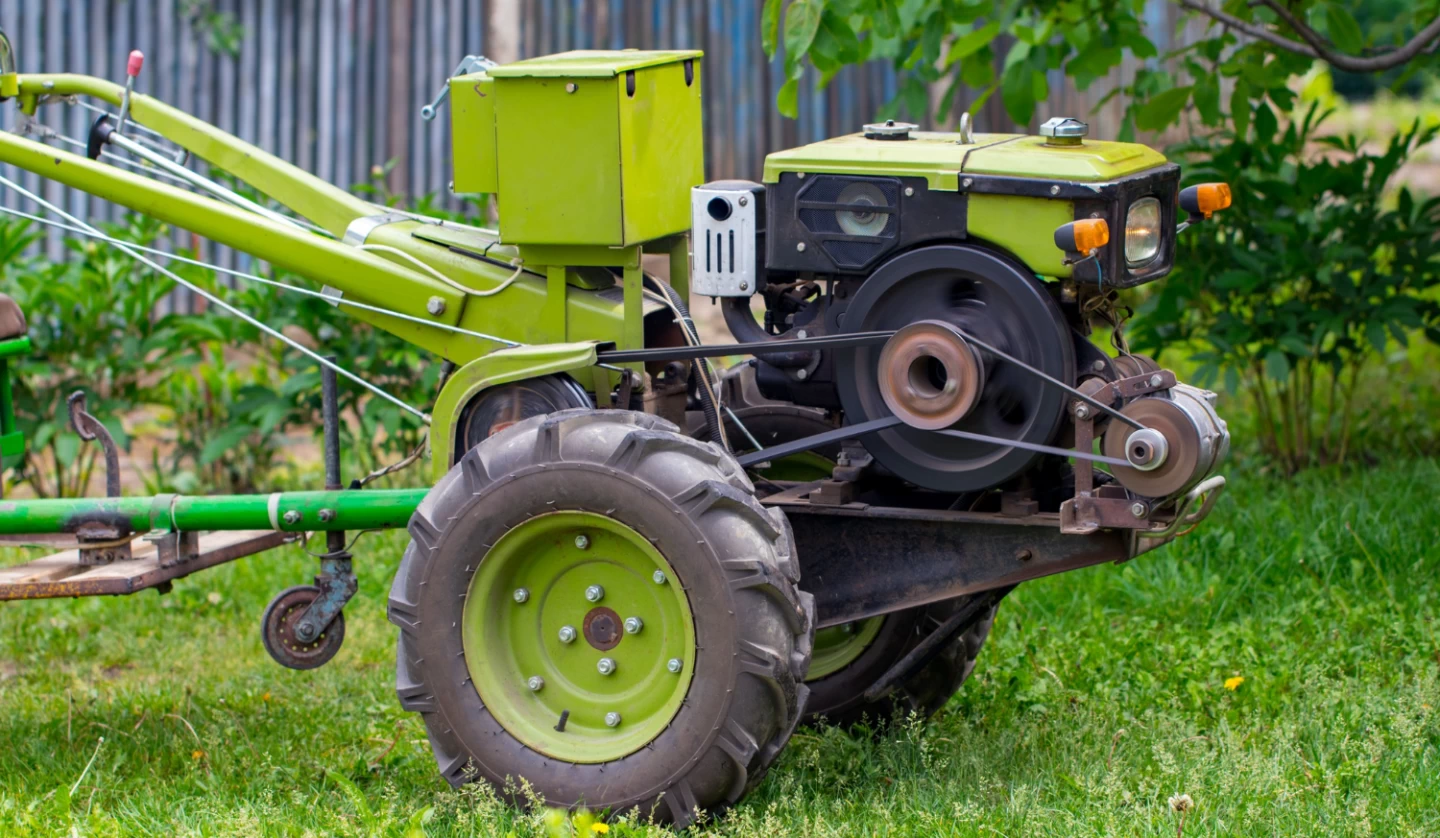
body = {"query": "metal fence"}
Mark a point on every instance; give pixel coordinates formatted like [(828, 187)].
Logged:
[(336, 85)]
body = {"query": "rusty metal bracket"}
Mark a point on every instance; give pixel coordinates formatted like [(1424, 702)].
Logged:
[(90, 429), (113, 542)]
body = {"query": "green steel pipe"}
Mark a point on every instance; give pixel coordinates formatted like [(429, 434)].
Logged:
[(285, 511)]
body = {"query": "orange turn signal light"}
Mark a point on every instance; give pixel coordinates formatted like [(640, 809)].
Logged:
[(1205, 199), (1082, 236)]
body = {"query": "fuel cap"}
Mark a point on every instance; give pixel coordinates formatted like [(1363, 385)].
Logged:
[(1064, 130), (889, 130)]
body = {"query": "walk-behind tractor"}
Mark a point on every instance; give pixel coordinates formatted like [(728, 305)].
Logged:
[(636, 573)]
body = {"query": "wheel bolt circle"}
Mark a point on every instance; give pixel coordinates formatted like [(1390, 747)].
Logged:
[(582, 542), (674, 665), (536, 683), (522, 594), (594, 593), (612, 719), (659, 577), (606, 666), (633, 625)]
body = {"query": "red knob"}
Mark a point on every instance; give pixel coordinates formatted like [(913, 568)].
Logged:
[(137, 61)]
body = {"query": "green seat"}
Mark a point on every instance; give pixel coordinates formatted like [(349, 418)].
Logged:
[(13, 342)]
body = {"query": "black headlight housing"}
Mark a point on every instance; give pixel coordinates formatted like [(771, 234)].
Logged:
[(1111, 201)]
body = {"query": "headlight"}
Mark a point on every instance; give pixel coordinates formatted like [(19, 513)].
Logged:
[(1142, 231)]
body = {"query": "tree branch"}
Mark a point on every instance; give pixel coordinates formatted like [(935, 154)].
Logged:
[(1315, 46), (1351, 63), (1251, 29)]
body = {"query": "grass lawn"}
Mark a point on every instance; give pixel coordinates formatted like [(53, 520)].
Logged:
[(1102, 693)]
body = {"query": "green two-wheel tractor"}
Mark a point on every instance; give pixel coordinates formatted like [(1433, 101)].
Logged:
[(636, 573)]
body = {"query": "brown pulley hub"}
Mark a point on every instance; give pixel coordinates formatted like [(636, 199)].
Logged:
[(930, 377), (602, 628)]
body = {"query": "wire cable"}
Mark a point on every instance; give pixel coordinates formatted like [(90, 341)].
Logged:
[(275, 333)]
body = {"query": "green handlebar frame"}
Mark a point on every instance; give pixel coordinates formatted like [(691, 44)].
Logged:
[(284, 511)]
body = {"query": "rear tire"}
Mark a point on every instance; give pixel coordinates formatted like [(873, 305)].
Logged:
[(733, 563), (838, 697)]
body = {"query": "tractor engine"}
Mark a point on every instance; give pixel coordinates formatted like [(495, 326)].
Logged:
[(989, 258)]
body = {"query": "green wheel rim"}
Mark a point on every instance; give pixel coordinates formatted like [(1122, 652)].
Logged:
[(554, 558), (799, 468), (837, 647)]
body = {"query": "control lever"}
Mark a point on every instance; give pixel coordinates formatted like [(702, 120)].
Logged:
[(468, 64), (132, 71)]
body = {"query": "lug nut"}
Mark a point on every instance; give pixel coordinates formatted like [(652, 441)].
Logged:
[(522, 594), (606, 666), (674, 665), (582, 542), (536, 683), (633, 625), (567, 634), (612, 719), (659, 577), (594, 593), (1138, 509)]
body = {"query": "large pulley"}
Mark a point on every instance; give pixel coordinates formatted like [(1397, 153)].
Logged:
[(933, 378)]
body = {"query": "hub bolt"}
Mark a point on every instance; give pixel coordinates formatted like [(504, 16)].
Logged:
[(612, 719), (594, 593), (606, 666), (1138, 509), (567, 634), (522, 594), (582, 542), (633, 625), (659, 577), (674, 665), (536, 683)]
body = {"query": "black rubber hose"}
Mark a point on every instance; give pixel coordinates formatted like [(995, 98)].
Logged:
[(709, 404), (743, 326)]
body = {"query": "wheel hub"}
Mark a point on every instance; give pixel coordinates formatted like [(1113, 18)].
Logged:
[(616, 691), (602, 628)]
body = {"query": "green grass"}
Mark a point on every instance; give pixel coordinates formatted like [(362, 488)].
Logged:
[(1102, 694)]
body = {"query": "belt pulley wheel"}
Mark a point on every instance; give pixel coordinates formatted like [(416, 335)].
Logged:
[(991, 298), (929, 376)]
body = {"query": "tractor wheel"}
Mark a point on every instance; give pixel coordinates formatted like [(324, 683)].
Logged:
[(849, 658), (595, 610)]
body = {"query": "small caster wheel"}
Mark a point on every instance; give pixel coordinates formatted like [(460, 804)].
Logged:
[(277, 630)]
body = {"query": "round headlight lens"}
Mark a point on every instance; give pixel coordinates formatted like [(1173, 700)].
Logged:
[(1142, 231)]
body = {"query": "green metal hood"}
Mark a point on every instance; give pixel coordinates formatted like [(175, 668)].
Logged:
[(940, 159)]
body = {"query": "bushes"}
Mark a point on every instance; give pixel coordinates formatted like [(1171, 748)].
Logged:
[(225, 400), (1293, 295)]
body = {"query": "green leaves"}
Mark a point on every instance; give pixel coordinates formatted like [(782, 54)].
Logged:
[(1343, 29), (1163, 108), (770, 26), (802, 24)]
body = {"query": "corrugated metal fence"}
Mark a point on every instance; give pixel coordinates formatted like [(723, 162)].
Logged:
[(336, 85)]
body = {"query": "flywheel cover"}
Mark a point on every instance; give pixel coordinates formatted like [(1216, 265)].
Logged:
[(997, 301)]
